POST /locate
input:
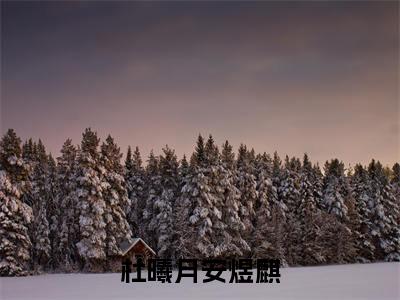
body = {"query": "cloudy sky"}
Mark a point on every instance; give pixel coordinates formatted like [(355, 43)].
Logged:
[(316, 77)]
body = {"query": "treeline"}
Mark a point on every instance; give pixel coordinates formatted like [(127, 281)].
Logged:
[(71, 213)]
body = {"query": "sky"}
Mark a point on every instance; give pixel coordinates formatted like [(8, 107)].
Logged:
[(315, 77)]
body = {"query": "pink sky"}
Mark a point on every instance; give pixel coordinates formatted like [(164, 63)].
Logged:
[(312, 77)]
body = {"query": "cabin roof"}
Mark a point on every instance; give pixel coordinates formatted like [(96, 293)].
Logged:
[(126, 245)]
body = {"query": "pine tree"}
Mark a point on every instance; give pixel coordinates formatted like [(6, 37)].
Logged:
[(196, 206), (198, 158), (308, 216), (28, 151), (247, 185), (163, 207), (361, 217), (135, 180), (90, 186), (384, 212), (11, 159), (15, 215), (153, 193), (17, 169), (270, 237), (336, 239), (66, 251), (395, 182), (184, 169), (277, 172), (264, 189), (41, 194), (289, 189), (53, 212), (181, 213), (228, 226), (115, 197), (335, 189)]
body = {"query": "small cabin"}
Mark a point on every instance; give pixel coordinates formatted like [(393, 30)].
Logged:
[(131, 250)]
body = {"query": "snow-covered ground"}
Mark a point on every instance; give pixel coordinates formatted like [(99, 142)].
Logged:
[(370, 281)]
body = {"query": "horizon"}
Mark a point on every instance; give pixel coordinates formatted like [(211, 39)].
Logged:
[(157, 152)]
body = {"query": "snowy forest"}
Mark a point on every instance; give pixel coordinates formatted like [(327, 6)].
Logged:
[(70, 213)]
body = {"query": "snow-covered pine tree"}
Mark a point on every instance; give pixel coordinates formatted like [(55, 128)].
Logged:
[(247, 185), (265, 188), (336, 189), (196, 206), (289, 195), (53, 211), (271, 214), (90, 186), (384, 212), (277, 173), (183, 170), (269, 211), (163, 207), (41, 194), (153, 193), (353, 223), (361, 223), (29, 159), (395, 182), (135, 180), (309, 217), (263, 205), (308, 203), (180, 214), (318, 182), (228, 226), (289, 189), (28, 151), (11, 160), (335, 240), (66, 251), (15, 215), (115, 196)]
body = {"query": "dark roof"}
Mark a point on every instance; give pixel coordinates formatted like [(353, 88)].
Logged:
[(127, 245)]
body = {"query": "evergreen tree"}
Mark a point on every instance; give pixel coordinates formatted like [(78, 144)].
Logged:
[(309, 216), (247, 185), (228, 226), (277, 173), (11, 159), (181, 212), (270, 237), (41, 194), (115, 197), (90, 186), (264, 190), (196, 206), (395, 182), (184, 169), (154, 190), (15, 215), (361, 217), (66, 251), (135, 181), (289, 189), (384, 212), (335, 189), (163, 207), (53, 211)]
